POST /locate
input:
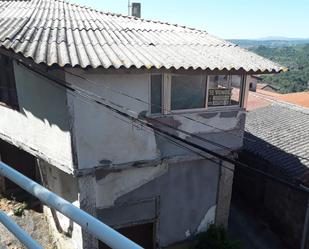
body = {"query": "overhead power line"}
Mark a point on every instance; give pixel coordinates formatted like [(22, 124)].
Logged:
[(155, 105), (137, 120)]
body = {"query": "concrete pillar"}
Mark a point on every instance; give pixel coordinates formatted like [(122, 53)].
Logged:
[(224, 194), (88, 204)]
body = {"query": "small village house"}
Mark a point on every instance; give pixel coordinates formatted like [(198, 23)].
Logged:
[(154, 191)]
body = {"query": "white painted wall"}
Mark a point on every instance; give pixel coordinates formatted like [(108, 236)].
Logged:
[(100, 135), (41, 125)]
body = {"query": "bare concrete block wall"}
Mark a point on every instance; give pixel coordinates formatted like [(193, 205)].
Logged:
[(224, 193)]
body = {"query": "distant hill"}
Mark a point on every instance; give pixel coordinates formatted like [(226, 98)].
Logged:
[(296, 58), (283, 41)]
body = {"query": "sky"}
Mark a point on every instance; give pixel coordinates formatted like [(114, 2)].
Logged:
[(229, 19)]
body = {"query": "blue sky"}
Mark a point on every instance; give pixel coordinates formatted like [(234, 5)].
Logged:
[(223, 18)]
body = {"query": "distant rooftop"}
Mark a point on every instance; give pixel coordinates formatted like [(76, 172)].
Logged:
[(262, 98)]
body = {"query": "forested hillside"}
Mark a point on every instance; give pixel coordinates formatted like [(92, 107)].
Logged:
[(296, 58), (247, 43)]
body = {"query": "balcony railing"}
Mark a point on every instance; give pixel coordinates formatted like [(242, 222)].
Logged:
[(92, 225)]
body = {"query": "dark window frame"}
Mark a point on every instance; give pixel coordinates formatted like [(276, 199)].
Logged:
[(8, 91), (161, 97)]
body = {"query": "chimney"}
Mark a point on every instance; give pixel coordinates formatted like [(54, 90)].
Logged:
[(136, 10)]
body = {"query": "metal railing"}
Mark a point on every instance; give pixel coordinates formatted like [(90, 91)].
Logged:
[(92, 225)]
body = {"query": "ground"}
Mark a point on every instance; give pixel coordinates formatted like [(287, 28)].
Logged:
[(33, 222)]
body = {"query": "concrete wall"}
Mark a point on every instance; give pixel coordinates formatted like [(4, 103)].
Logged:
[(66, 233), (41, 127), (180, 198), (102, 137), (222, 131), (171, 189)]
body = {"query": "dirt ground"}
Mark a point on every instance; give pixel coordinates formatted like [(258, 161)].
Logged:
[(33, 222)]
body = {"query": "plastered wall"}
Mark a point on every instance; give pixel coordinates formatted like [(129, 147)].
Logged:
[(180, 198), (102, 137), (41, 126)]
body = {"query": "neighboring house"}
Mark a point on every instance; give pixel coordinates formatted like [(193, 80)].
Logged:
[(253, 82), (276, 142), (131, 178), (266, 87)]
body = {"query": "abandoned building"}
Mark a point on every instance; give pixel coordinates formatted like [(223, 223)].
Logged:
[(148, 186)]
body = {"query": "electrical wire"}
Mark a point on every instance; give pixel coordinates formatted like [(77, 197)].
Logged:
[(170, 135), (82, 91), (145, 128), (153, 105)]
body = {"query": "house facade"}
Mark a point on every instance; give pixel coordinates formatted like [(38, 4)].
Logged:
[(66, 69)]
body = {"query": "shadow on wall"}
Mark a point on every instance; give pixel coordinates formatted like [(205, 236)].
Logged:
[(281, 206), (41, 98)]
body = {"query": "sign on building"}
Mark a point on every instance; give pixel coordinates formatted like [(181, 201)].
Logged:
[(219, 97)]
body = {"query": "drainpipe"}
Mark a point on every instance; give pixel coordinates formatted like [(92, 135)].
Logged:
[(305, 229)]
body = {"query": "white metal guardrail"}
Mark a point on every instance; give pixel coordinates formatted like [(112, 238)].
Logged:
[(92, 225)]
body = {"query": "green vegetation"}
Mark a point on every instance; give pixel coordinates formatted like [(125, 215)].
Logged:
[(18, 211), (296, 58), (215, 238)]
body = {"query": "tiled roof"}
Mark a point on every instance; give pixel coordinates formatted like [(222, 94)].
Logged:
[(279, 133), (62, 33), (263, 98), (300, 98)]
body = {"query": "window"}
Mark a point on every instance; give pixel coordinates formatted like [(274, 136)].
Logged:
[(224, 90), (8, 95), (188, 92), (174, 93), (156, 93)]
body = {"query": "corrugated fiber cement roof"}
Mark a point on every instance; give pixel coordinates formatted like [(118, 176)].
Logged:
[(66, 34)]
